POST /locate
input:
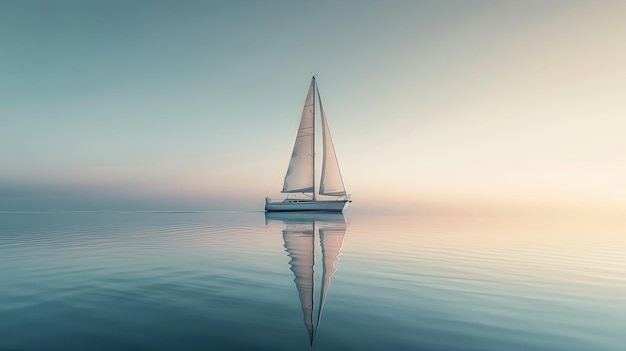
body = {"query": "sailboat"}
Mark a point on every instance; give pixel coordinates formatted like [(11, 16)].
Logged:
[(300, 177), (299, 236)]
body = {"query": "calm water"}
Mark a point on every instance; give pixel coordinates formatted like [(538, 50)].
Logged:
[(241, 281)]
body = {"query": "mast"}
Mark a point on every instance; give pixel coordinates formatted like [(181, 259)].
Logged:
[(314, 90)]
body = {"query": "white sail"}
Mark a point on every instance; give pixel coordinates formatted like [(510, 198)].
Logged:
[(331, 182), (300, 174), (299, 244)]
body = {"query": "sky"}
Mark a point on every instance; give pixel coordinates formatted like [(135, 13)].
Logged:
[(434, 106)]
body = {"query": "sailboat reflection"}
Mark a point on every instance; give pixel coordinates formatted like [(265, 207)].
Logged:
[(299, 237)]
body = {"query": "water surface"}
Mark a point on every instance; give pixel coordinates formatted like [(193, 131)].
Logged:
[(244, 281)]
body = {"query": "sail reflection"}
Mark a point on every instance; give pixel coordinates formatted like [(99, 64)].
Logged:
[(299, 235)]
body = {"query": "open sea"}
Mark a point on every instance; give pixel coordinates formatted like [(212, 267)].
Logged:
[(251, 281)]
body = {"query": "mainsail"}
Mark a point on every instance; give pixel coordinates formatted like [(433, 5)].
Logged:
[(331, 182), (301, 172)]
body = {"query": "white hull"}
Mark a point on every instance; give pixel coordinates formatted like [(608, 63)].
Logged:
[(306, 205)]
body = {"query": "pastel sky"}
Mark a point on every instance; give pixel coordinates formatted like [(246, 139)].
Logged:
[(434, 106)]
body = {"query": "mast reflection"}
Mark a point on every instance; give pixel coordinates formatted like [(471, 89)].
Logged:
[(299, 235)]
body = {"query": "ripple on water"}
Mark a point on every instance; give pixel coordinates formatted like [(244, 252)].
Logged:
[(223, 280)]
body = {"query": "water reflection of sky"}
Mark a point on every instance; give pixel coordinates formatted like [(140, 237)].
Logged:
[(224, 281)]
